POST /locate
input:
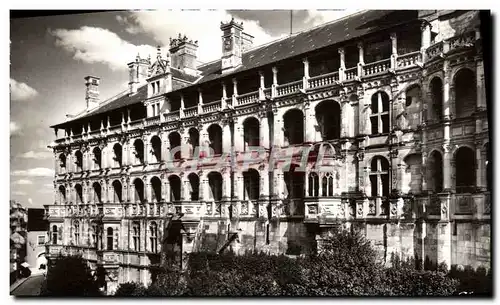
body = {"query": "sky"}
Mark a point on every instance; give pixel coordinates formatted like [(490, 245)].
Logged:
[(51, 55)]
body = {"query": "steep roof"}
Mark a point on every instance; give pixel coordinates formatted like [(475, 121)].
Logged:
[(337, 31)]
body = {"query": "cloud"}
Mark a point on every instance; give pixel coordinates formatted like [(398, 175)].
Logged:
[(15, 129), (30, 201), (201, 25), (34, 172), (36, 155), (21, 91), (317, 17), (18, 193), (22, 182), (98, 45)]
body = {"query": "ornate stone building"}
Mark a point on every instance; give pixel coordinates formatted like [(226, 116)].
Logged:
[(376, 121)]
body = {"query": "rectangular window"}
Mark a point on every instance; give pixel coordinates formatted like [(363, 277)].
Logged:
[(41, 240)]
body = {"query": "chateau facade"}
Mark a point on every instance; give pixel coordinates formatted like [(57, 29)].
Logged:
[(376, 121)]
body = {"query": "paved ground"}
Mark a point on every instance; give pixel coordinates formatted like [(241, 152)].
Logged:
[(30, 287)]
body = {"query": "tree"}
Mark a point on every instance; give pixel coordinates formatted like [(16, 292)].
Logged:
[(70, 276)]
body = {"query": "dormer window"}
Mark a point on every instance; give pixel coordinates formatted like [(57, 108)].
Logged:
[(156, 87)]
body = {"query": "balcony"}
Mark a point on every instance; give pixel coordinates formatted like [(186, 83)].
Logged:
[(460, 42), (211, 107), (375, 68), (323, 80), (287, 89), (172, 116), (153, 121), (247, 98), (191, 112), (409, 60), (351, 73)]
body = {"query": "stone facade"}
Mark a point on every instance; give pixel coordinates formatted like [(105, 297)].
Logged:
[(396, 147)]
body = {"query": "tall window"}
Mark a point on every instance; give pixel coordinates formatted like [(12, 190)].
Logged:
[(54, 235), (465, 170), (379, 177), (77, 233), (79, 194), (154, 237), (436, 89), (327, 182), (136, 236), (251, 181), (78, 161), (380, 113), (117, 155), (97, 158), (313, 185), (62, 163), (110, 239)]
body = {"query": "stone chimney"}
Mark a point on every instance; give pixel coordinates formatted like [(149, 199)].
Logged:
[(246, 42), (138, 73), (92, 92), (234, 41), (183, 54)]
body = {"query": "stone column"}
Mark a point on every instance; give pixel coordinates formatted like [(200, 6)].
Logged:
[(426, 36), (310, 131), (262, 86), (305, 79), (345, 118), (278, 128), (182, 107), (226, 184), (447, 103), (200, 101), (238, 136), (226, 137), (481, 94), (342, 64), (238, 185), (224, 95), (235, 87), (148, 192), (447, 167), (264, 130), (185, 188), (165, 147), (479, 167), (394, 55), (275, 82), (361, 60), (264, 183), (203, 187), (147, 151)]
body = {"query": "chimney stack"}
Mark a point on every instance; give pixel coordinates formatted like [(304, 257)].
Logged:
[(234, 43), (138, 73), (92, 92), (183, 54)]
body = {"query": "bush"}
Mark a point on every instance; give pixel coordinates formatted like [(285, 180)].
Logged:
[(345, 265), (130, 289), (70, 276), (479, 281)]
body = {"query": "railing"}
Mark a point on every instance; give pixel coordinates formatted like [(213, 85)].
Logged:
[(267, 92), (288, 88), (111, 257), (465, 40), (211, 107), (172, 116), (323, 80), (77, 137), (153, 121), (351, 73), (229, 101), (247, 98), (376, 67), (191, 111), (115, 128), (137, 124), (409, 59), (434, 50)]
